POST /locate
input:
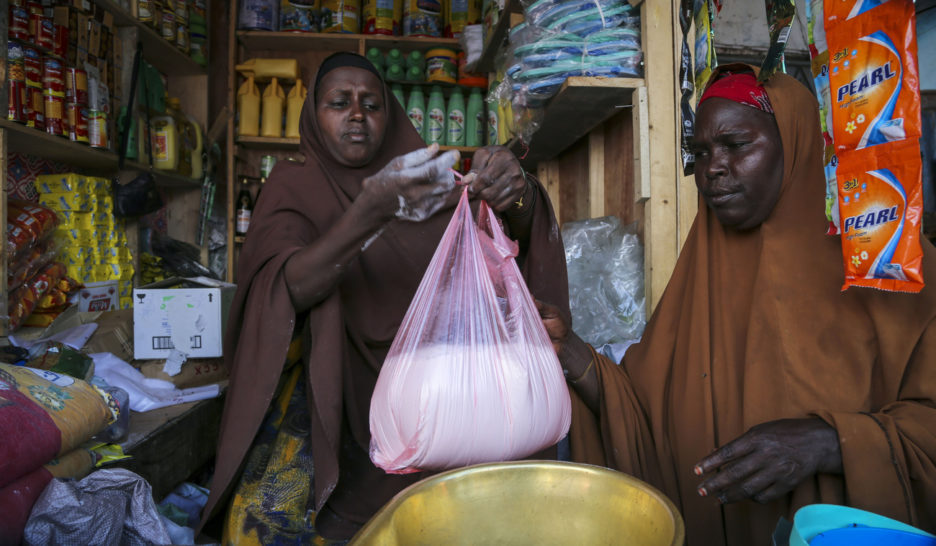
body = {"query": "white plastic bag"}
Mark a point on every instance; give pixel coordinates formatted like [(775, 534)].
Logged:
[(471, 376)]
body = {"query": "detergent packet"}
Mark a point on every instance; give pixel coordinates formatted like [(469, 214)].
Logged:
[(873, 75), (881, 199)]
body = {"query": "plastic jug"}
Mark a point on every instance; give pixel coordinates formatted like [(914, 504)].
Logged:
[(397, 91), (165, 142), (271, 122), (455, 119), (474, 119), (416, 111), (435, 116), (294, 102), (266, 69), (248, 108)]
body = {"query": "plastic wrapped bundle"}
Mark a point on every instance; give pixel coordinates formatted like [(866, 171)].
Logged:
[(606, 282)]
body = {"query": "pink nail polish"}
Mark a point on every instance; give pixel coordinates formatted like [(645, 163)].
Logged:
[(703, 492)]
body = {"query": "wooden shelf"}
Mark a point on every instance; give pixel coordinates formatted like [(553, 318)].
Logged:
[(157, 50), (258, 40), (581, 104), (493, 44), (27, 140), (268, 143)]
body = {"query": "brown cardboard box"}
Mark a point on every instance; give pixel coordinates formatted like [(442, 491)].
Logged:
[(194, 373), (113, 335)]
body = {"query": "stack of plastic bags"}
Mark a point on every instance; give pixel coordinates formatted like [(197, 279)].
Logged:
[(45, 417), (562, 39)]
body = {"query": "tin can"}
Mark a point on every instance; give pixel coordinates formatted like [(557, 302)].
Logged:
[(16, 101), (32, 62), (19, 23), (97, 129), (60, 40), (36, 111), (77, 122), (53, 76), (76, 86), (266, 165), (54, 107), (168, 25), (45, 32)]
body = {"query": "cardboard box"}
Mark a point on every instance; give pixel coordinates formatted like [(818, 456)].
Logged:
[(98, 296), (186, 314)]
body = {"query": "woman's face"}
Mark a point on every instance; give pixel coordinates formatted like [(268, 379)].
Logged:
[(738, 162), (351, 113)]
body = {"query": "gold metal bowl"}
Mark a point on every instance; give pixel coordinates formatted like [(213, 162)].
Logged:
[(526, 502)]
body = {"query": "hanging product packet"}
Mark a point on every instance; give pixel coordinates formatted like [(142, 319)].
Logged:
[(874, 83), (880, 199), (471, 376), (873, 75)]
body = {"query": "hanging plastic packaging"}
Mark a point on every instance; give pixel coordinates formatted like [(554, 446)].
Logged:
[(873, 76), (471, 376), (880, 199)]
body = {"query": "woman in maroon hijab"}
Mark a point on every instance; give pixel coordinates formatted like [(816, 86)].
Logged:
[(336, 250)]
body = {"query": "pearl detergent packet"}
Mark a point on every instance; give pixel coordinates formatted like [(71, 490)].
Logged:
[(875, 114)]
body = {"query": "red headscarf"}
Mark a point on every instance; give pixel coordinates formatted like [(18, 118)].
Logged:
[(741, 87)]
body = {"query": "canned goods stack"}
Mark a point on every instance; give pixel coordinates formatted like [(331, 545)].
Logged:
[(92, 242)]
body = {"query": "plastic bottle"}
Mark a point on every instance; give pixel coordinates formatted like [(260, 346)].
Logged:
[(416, 111), (294, 102), (165, 143), (395, 72), (475, 121), (397, 90), (272, 118), (415, 74), (248, 108), (455, 119), (435, 116)]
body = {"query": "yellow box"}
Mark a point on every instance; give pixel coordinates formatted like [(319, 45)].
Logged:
[(62, 183), (66, 201), (75, 219)]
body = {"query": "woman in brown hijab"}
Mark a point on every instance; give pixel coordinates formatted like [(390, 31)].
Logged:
[(336, 249), (759, 386)]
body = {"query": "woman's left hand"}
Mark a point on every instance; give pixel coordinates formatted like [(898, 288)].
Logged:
[(497, 178), (770, 460)]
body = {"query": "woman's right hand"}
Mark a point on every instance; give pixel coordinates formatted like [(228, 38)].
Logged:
[(414, 186)]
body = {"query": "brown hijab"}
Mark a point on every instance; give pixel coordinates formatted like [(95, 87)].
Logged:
[(753, 327), (348, 335)]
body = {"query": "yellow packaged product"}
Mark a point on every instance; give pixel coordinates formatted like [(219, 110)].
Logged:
[(62, 183), (76, 237), (75, 219), (126, 303), (125, 289), (60, 202)]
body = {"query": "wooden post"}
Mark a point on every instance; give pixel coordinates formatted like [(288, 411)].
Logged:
[(661, 232)]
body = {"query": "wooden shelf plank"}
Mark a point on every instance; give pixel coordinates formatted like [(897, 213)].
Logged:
[(258, 40), (582, 104), (496, 39), (27, 140), (157, 50)]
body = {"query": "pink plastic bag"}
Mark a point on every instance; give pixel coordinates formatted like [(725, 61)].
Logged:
[(471, 376)]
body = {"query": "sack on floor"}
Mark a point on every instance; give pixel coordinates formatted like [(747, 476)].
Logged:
[(471, 376)]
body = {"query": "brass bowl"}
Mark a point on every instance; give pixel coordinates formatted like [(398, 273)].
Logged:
[(526, 502)]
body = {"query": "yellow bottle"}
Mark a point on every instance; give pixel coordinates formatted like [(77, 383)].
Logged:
[(271, 122), (294, 101), (248, 108), (265, 69)]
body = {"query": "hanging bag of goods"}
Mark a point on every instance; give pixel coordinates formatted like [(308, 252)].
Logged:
[(876, 125), (471, 376)]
